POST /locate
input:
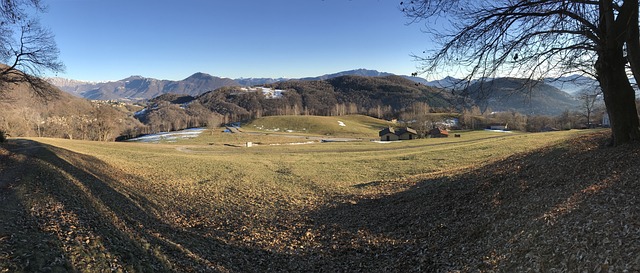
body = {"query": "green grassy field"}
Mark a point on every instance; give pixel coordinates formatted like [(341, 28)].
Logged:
[(200, 205), (332, 167), (354, 126)]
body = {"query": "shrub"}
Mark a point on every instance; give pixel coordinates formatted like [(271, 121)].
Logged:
[(3, 136)]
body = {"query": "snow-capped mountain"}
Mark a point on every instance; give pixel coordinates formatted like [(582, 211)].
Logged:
[(138, 87)]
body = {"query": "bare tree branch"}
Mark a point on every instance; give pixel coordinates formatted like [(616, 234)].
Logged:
[(26, 48), (533, 39)]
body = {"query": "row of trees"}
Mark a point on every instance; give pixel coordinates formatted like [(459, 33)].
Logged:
[(172, 112), (589, 114)]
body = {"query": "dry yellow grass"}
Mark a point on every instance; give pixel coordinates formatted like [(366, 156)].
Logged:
[(191, 206)]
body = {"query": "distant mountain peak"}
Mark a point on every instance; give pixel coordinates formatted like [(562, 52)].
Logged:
[(199, 75), (354, 72), (133, 78)]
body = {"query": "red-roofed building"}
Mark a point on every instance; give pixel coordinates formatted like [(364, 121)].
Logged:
[(437, 132)]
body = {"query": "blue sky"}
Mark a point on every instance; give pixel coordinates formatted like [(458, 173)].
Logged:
[(168, 39)]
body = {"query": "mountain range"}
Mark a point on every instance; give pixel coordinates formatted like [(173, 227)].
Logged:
[(573, 84), (550, 96), (142, 88), (520, 95)]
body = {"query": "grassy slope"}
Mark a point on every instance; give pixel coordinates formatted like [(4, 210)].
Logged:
[(355, 125), (430, 204)]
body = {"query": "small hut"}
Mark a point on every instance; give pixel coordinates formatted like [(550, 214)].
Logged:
[(406, 134), (437, 132), (390, 134)]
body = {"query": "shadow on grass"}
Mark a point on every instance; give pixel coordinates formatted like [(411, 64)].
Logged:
[(568, 207), (572, 208), (92, 223)]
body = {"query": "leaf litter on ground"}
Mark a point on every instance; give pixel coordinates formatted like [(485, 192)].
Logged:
[(569, 207)]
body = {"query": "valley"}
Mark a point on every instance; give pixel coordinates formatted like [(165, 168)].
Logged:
[(321, 206), (507, 138)]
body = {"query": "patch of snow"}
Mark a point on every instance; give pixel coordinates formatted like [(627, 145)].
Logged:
[(184, 105), (268, 93), (140, 113), (293, 143), (341, 123), (498, 131), (168, 136)]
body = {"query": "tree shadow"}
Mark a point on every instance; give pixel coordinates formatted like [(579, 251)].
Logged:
[(535, 211), (544, 210), (23, 246), (97, 224)]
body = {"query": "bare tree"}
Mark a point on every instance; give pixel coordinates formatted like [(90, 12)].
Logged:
[(105, 123), (537, 38), (589, 102), (26, 48)]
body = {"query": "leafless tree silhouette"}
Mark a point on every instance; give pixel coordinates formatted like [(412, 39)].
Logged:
[(27, 49), (533, 39)]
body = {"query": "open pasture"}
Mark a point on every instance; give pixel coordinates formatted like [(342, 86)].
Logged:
[(200, 205)]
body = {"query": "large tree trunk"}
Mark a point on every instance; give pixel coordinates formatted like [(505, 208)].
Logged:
[(633, 40), (619, 97), (633, 50)]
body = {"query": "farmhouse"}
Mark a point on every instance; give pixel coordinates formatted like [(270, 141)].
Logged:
[(406, 134), (437, 132), (390, 134)]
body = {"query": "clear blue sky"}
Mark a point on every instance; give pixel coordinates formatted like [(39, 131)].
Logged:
[(170, 39)]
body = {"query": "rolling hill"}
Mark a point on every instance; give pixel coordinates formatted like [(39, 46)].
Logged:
[(22, 112), (343, 126), (385, 97), (59, 114), (531, 98), (573, 84), (382, 97)]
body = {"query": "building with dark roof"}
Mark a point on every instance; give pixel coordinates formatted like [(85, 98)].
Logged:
[(390, 134)]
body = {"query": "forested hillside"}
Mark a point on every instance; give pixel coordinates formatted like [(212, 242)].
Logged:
[(387, 97), (58, 114), (520, 95), (381, 97)]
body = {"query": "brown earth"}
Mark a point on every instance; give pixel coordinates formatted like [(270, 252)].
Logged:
[(572, 207)]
